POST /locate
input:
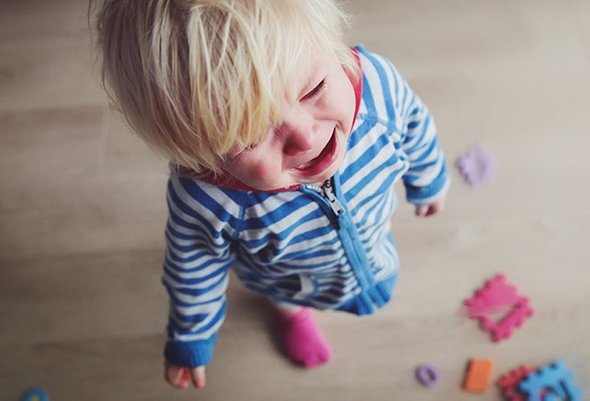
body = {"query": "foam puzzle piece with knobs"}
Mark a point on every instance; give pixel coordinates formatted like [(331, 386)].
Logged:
[(551, 382), (476, 166), (509, 382), (497, 294)]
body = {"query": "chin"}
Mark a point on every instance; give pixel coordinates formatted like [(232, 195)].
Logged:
[(329, 173)]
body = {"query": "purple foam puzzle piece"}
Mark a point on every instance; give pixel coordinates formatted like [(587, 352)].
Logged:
[(427, 375), (477, 166)]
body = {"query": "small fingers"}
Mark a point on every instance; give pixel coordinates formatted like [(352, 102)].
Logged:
[(437, 206), (429, 209), (198, 377), (421, 210), (433, 209), (177, 376)]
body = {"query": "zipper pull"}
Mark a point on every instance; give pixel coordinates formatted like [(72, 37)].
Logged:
[(330, 195)]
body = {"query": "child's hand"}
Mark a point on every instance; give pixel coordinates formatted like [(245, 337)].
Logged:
[(430, 209), (179, 376)]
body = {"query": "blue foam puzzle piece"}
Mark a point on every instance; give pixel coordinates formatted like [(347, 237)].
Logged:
[(35, 394), (552, 382)]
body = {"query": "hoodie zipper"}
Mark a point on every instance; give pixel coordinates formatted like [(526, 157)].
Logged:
[(328, 191), (346, 229)]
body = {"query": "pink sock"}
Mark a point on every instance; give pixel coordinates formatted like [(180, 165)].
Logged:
[(302, 339)]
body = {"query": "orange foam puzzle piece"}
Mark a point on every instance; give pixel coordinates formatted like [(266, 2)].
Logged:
[(477, 378)]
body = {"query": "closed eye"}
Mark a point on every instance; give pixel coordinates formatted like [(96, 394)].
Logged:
[(315, 92)]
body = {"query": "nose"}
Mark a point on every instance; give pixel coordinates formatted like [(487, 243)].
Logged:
[(299, 131)]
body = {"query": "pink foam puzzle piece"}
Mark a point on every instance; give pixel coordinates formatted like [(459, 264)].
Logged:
[(494, 296), (515, 318)]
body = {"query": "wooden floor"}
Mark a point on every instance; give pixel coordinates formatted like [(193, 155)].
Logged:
[(82, 213)]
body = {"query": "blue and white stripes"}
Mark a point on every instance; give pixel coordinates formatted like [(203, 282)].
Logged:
[(391, 101), (294, 246)]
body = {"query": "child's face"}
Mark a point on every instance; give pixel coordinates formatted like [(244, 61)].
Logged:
[(309, 144)]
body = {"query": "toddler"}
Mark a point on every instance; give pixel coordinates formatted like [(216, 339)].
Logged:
[(285, 145)]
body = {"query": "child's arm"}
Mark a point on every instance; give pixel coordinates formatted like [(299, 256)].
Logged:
[(387, 94), (196, 273), (426, 181)]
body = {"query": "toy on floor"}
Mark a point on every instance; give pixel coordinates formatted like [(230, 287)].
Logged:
[(477, 378), (35, 394), (476, 166), (509, 382), (551, 382), (497, 295), (427, 375)]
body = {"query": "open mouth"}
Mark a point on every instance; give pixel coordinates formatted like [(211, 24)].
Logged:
[(322, 161)]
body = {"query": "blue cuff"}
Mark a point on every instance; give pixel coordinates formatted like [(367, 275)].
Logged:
[(190, 354), (422, 195)]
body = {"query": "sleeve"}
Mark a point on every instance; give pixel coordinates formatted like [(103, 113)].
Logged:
[(427, 176), (196, 271)]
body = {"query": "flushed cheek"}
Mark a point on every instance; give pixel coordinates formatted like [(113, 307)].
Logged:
[(261, 173)]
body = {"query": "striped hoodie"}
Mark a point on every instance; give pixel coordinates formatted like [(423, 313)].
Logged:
[(327, 246)]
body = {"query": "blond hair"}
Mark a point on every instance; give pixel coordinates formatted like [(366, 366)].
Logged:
[(196, 78)]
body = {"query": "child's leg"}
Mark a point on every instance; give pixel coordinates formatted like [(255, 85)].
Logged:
[(303, 342)]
